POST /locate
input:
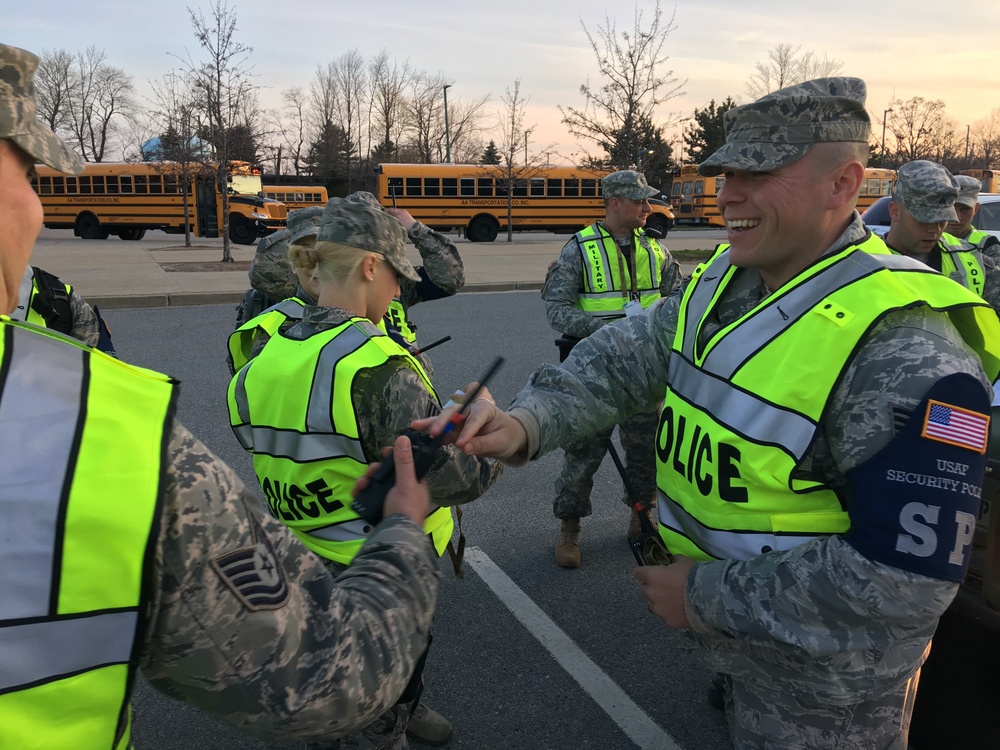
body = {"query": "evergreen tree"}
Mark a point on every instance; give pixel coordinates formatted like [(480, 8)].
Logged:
[(490, 154), (708, 134)]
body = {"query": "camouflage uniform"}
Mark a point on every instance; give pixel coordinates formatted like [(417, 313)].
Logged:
[(310, 660), (310, 666), (563, 285), (968, 195), (822, 645), (85, 327)]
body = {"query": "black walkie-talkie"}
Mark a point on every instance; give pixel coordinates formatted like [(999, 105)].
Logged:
[(369, 502)]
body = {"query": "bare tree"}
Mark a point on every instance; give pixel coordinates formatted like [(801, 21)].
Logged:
[(787, 65), (223, 82), (351, 74), (985, 144), (52, 83), (516, 167), (920, 130), (387, 112), (634, 83), (294, 128), (179, 151)]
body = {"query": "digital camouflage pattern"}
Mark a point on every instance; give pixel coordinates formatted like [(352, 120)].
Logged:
[(628, 184), (313, 659), (867, 624), (19, 113), (386, 399), (357, 224), (968, 190), (784, 125), (562, 288), (302, 223), (928, 191)]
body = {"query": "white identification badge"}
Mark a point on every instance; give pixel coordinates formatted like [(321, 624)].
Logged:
[(633, 308)]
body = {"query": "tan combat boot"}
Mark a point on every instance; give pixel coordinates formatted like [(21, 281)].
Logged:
[(428, 727), (635, 528), (568, 544)]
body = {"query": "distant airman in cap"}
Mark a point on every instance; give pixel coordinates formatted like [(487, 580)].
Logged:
[(967, 206)]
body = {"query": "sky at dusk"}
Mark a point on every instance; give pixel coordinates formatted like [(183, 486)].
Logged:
[(902, 49)]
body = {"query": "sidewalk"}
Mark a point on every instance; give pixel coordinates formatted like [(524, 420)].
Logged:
[(113, 273)]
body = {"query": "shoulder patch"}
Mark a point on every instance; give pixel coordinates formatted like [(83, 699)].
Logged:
[(253, 573), (956, 426)]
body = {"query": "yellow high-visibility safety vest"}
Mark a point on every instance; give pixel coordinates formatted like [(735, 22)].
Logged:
[(269, 321), (396, 315), (291, 407), (80, 500), (607, 280), (731, 433), (963, 263)]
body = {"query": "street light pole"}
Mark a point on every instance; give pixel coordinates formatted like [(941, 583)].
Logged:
[(638, 157), (886, 112), (447, 135)]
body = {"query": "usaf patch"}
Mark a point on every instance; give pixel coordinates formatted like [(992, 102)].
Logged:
[(956, 426), (253, 573)]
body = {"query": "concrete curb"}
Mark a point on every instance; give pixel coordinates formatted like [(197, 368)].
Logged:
[(184, 299)]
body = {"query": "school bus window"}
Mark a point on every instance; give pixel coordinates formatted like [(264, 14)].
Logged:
[(537, 186), (58, 185), (111, 185), (413, 186), (484, 187), (126, 183), (699, 187), (687, 188), (395, 185), (555, 188), (141, 185), (45, 186), (501, 187), (520, 188), (675, 189), (572, 187), (84, 185), (432, 186), (449, 187), (170, 184), (886, 187), (467, 187), (588, 188), (300, 197)]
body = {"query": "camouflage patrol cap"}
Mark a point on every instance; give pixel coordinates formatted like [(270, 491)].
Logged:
[(781, 127), (627, 184), (363, 196), (357, 224), (928, 191), (302, 223), (968, 190), (19, 111)]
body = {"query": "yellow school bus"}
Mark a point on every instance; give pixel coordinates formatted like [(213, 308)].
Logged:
[(126, 199), (474, 197), (694, 198), (295, 191), (877, 182), (989, 177)]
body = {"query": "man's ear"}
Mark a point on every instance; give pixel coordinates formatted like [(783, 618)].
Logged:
[(847, 183)]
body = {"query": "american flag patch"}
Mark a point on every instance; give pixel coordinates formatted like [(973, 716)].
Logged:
[(956, 426)]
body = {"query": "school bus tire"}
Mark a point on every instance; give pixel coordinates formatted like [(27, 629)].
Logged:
[(658, 224), (482, 229), (88, 227), (132, 234), (241, 231)]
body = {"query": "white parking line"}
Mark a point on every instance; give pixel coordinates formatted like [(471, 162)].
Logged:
[(632, 720)]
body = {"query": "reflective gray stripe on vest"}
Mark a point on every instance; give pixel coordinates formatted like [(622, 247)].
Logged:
[(322, 441), (288, 307), (774, 317), (45, 651), (32, 490), (740, 411), (348, 531), (588, 268), (724, 545), (25, 291)]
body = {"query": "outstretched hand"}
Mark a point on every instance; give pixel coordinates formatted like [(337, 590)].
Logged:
[(482, 430)]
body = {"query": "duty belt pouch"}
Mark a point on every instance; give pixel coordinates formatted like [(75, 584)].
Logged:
[(415, 687), (52, 302), (566, 344)]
